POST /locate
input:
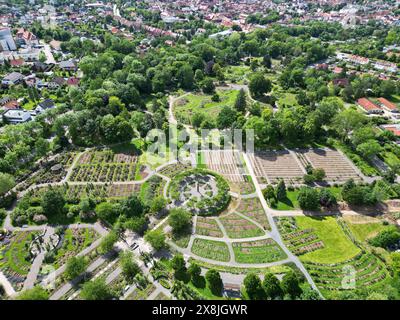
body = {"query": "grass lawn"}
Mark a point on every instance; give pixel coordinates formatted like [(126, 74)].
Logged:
[(215, 250), (290, 202), (192, 103), (337, 246), (204, 291), (29, 106), (364, 230)]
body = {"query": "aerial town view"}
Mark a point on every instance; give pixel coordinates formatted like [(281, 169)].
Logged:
[(230, 150)]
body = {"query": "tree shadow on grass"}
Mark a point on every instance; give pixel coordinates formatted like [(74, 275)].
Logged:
[(287, 202)]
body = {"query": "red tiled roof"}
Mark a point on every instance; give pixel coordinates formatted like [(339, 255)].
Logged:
[(387, 104), (395, 131), (17, 62), (367, 105)]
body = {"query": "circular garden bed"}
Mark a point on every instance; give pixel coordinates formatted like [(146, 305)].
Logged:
[(200, 191)]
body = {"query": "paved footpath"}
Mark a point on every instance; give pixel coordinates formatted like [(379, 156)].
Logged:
[(274, 230)]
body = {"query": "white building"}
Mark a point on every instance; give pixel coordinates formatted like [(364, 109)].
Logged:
[(17, 116)]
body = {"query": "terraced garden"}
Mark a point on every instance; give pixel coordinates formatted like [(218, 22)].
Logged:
[(363, 270), (261, 251), (337, 168), (271, 166), (237, 227), (215, 250), (208, 227), (73, 241), (337, 246), (15, 258), (298, 241)]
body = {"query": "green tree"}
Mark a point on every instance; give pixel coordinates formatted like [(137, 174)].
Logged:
[(259, 85), (214, 282), (75, 266), (179, 219), (290, 285), (369, 149), (107, 244), (281, 190), (52, 202), (240, 102), (105, 211), (7, 182), (96, 290), (252, 285), (308, 198), (226, 117), (36, 293), (195, 271), (129, 267), (272, 286), (156, 238)]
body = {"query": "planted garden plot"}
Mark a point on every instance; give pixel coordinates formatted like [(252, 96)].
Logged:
[(106, 166), (226, 163), (16, 258), (214, 250), (337, 168), (253, 209), (74, 193), (262, 251), (173, 169), (272, 166), (237, 227), (208, 227), (142, 294), (72, 242), (299, 241), (367, 269)]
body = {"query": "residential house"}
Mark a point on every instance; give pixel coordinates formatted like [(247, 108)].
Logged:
[(45, 105), (388, 105), (73, 81), (16, 116), (17, 62), (12, 79), (56, 83), (369, 107), (67, 65), (341, 82)]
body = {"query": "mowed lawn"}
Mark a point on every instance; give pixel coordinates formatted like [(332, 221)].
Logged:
[(338, 247), (365, 230), (190, 104)]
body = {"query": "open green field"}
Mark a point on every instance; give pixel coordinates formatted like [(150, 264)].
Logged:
[(188, 105), (364, 230), (337, 246), (236, 74), (209, 249), (262, 251)]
